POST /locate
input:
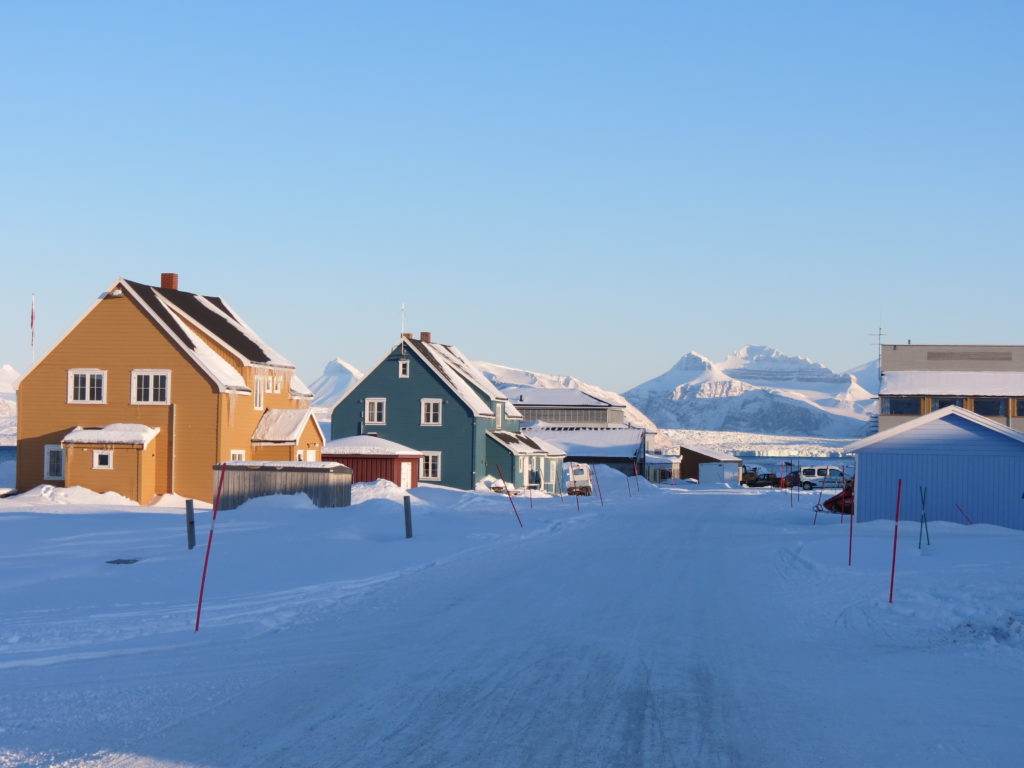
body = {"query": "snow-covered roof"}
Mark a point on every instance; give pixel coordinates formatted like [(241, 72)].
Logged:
[(953, 383), (462, 377), (126, 434), (292, 465), (661, 458), (606, 442), (521, 444), (298, 387), (282, 425), (541, 396), (711, 453), (182, 314), (942, 413), (366, 445)]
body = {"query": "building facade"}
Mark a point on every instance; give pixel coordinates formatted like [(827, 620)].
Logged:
[(918, 379), (430, 397), (179, 376)]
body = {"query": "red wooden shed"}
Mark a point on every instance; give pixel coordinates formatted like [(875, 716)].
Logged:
[(373, 458)]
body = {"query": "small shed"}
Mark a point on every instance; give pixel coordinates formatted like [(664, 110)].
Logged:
[(326, 483), (964, 461), (691, 456), (661, 467), (118, 457), (718, 472), (374, 458)]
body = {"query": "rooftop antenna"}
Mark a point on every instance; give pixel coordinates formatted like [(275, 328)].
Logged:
[(879, 333), (402, 319)]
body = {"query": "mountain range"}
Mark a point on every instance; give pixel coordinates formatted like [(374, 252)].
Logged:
[(758, 389)]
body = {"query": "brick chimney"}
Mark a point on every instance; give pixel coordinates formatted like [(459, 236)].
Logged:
[(169, 280), (425, 336), (406, 335)]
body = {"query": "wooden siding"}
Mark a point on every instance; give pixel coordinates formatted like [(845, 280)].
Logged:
[(459, 438), (368, 468), (132, 474), (200, 427), (118, 338)]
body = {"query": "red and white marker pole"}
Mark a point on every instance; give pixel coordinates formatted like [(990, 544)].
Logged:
[(895, 537), (209, 543)]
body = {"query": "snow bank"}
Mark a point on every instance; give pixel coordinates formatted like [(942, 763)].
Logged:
[(73, 499)]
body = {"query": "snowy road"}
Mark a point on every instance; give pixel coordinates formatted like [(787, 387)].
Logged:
[(658, 634)]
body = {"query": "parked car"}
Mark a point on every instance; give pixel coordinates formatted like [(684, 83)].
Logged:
[(821, 477), (763, 480)]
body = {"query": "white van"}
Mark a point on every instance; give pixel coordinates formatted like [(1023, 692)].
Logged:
[(578, 479), (821, 477)]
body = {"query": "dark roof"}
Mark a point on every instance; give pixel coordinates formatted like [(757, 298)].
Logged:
[(222, 325)]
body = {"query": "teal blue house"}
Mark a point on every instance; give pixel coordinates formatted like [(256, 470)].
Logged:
[(429, 397)]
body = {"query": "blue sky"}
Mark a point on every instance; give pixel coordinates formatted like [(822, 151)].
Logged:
[(588, 188)]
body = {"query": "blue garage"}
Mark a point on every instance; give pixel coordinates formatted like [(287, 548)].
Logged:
[(965, 461)]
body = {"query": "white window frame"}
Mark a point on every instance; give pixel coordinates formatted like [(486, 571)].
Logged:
[(425, 402), (149, 372), (403, 368), (427, 456), (498, 410), (369, 409), (72, 372), (258, 383), (97, 453), (237, 456), (47, 451), (300, 455)]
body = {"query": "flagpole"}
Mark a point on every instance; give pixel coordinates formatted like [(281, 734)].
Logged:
[(32, 326)]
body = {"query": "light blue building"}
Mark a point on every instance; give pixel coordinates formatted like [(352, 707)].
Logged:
[(965, 461)]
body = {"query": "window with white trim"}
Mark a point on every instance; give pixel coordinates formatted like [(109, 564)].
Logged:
[(257, 392), (499, 409), (53, 462), (300, 455), (87, 385), (430, 465), (102, 459), (375, 410), (430, 412), (237, 456), (403, 368), (151, 387)]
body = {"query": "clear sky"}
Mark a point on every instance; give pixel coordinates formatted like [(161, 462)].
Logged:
[(587, 188)]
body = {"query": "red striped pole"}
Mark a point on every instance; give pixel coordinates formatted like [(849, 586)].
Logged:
[(849, 558), (209, 544), (969, 521), (895, 537), (596, 483)]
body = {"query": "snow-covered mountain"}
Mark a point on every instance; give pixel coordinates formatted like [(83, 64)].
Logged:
[(8, 405), (504, 377), (334, 383), (756, 389)]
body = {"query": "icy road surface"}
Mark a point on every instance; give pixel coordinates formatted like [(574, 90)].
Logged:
[(674, 629)]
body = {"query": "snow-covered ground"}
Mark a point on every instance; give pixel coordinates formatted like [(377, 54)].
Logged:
[(667, 627)]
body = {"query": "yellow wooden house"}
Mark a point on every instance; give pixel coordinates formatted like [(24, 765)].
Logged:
[(150, 389)]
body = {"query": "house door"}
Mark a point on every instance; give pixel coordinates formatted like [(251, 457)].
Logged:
[(406, 474)]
